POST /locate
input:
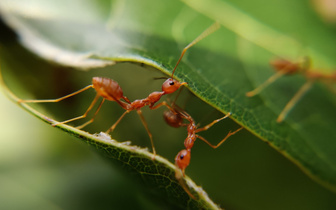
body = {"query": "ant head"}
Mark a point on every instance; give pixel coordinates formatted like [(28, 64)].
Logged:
[(182, 159), (171, 85)]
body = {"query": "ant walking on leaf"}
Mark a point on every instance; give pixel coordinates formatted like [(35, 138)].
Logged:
[(110, 90), (175, 117), (286, 67)]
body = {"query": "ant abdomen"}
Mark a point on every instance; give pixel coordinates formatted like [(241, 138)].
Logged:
[(107, 88), (172, 119)]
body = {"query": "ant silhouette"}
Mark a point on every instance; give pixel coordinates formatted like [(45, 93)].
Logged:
[(175, 118), (110, 90), (286, 67)]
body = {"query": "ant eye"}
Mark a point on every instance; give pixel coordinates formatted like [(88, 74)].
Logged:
[(181, 157), (172, 83)]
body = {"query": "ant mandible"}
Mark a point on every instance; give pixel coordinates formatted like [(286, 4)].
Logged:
[(175, 117), (286, 67), (110, 90)]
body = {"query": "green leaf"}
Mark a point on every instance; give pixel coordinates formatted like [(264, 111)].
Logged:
[(219, 70), (158, 174)]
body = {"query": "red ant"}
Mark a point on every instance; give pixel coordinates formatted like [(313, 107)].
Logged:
[(110, 90), (175, 117), (286, 67)]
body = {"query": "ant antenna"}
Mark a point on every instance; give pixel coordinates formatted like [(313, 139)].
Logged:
[(157, 78), (204, 34)]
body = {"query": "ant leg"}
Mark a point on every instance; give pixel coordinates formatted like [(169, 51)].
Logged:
[(55, 100), (211, 124), (184, 185), (204, 34), (164, 103), (147, 129), (294, 100), (82, 116), (126, 99), (174, 110), (92, 119), (111, 129), (221, 142), (257, 90), (177, 95)]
